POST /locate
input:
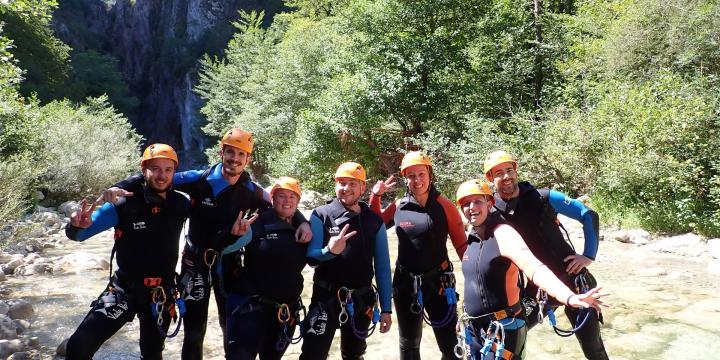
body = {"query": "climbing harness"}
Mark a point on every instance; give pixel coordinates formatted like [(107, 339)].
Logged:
[(158, 299), (447, 288), (347, 311), (287, 319), (493, 339), (582, 285)]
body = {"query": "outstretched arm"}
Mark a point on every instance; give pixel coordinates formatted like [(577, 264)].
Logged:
[(376, 194), (512, 246), (456, 228), (83, 225)]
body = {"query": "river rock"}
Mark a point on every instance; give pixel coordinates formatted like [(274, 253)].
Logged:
[(47, 218), (33, 342), (10, 267), (20, 309), (22, 355), (9, 347), (80, 262), (686, 245), (30, 258), (68, 207), (633, 236), (62, 348), (4, 307), (7, 329), (5, 258), (713, 248), (2, 276), (714, 267), (21, 325), (32, 269)]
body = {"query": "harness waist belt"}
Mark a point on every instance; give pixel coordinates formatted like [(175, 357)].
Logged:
[(511, 311), (332, 288), (445, 266)]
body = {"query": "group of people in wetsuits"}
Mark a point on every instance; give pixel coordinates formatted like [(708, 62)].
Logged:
[(249, 247)]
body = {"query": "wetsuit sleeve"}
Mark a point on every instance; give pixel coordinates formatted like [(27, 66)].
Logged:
[(513, 247), (182, 180), (130, 183), (382, 270), (575, 209), (456, 228), (388, 214), (316, 250), (239, 243), (103, 218)]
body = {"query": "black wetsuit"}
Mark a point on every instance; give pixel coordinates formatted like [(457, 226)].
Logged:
[(271, 277), (147, 230), (491, 285), (215, 207), (532, 215), (353, 269)]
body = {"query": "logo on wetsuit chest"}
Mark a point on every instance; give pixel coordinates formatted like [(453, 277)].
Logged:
[(271, 236), (208, 202), (140, 225), (406, 224), (334, 231)]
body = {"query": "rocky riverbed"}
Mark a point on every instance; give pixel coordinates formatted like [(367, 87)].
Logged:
[(664, 302)]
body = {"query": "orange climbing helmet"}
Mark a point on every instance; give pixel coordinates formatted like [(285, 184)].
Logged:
[(287, 183), (238, 138), (497, 157), (351, 170), (473, 187), (157, 151), (415, 158)]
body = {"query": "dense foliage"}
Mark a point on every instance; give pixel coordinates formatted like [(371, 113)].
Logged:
[(616, 98), (62, 149)]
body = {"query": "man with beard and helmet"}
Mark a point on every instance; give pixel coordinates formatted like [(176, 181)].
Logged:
[(533, 213), (349, 245), (218, 195), (147, 227)]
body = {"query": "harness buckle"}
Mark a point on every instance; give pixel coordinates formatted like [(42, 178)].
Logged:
[(152, 281)]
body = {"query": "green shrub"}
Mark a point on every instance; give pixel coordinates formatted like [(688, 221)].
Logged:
[(83, 149), (16, 180)]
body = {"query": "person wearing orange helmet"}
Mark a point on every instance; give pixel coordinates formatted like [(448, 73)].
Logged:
[(147, 227), (491, 264), (533, 213), (424, 284), (263, 293), (349, 245), (218, 194)]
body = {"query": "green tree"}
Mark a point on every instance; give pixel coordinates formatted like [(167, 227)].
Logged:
[(43, 58)]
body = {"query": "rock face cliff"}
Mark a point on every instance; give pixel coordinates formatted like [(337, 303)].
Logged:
[(158, 43)]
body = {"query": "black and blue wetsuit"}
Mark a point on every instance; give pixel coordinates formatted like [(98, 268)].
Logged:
[(366, 254), (256, 292), (147, 230), (215, 205), (534, 215)]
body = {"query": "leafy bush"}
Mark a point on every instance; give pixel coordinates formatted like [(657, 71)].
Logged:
[(16, 180), (83, 149)]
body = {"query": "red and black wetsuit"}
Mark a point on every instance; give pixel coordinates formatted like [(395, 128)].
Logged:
[(422, 233)]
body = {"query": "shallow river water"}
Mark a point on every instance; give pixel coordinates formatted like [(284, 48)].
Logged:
[(662, 307)]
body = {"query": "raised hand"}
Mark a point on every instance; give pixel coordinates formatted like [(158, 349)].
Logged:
[(241, 225), (112, 195), (381, 187), (82, 217), (337, 243), (588, 299)]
